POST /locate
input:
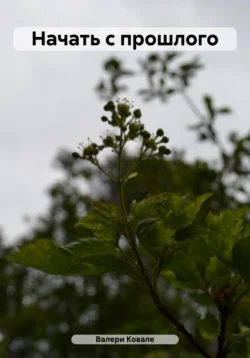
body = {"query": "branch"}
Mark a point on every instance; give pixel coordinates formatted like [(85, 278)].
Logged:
[(222, 352), (160, 306), (198, 114)]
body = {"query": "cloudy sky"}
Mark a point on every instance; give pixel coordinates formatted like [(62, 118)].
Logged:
[(48, 102)]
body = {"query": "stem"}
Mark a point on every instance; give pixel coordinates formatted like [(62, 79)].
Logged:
[(160, 306), (125, 254), (222, 351), (106, 173), (135, 163)]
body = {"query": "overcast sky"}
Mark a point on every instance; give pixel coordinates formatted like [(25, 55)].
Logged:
[(48, 102)]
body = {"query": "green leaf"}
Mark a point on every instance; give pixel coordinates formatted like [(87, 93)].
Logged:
[(215, 269), (47, 256), (102, 222), (174, 210), (209, 327), (88, 246), (219, 284), (199, 252), (184, 268), (110, 263), (224, 110), (83, 257), (132, 175), (44, 255), (170, 250), (247, 229), (241, 255), (209, 104), (165, 214), (153, 235), (224, 231), (182, 211), (173, 281), (203, 299)]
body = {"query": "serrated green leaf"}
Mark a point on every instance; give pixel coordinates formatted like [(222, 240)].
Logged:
[(174, 210), (183, 211), (184, 268), (153, 235), (102, 222), (224, 231), (88, 246), (215, 269), (111, 263), (83, 257), (44, 255), (157, 218), (47, 256)]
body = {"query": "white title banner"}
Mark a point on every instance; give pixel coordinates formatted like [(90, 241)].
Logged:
[(125, 39), (125, 339)]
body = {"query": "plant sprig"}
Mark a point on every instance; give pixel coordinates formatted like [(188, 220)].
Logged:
[(128, 121)]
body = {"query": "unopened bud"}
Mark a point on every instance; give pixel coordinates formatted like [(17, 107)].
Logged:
[(160, 132), (164, 139), (110, 106), (137, 113), (76, 155), (145, 134), (164, 150)]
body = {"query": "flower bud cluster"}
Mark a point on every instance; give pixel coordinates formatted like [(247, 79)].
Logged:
[(127, 120)]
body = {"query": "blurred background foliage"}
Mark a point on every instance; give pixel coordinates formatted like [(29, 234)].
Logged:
[(39, 313)]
